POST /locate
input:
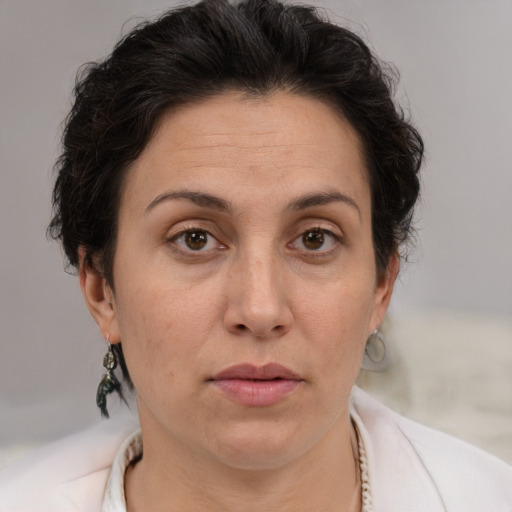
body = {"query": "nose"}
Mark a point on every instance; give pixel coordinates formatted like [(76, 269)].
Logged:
[(258, 302)]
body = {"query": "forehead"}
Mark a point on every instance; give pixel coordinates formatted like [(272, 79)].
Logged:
[(234, 140)]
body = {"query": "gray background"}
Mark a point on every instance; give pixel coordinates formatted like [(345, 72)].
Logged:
[(456, 66)]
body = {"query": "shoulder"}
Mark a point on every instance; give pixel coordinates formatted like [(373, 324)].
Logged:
[(67, 475), (416, 468)]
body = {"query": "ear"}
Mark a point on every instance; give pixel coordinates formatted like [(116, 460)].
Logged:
[(99, 298), (384, 291)]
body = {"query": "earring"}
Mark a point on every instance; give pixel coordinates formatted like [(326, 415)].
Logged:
[(376, 354), (109, 382)]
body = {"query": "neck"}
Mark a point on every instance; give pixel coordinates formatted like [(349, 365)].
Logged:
[(173, 478)]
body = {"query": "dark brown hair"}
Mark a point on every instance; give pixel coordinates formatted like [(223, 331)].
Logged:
[(197, 51)]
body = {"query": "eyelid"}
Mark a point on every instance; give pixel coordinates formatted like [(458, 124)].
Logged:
[(337, 240), (183, 226), (171, 240)]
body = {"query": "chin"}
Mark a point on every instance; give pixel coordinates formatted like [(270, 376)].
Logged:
[(261, 447)]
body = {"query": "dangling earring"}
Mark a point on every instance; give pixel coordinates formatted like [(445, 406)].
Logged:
[(376, 354), (109, 383)]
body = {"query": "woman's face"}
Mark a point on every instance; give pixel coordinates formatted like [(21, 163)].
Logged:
[(245, 279)]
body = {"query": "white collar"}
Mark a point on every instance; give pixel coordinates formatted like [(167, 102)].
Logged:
[(114, 499)]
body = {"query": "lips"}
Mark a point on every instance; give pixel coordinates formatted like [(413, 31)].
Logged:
[(250, 372), (256, 386)]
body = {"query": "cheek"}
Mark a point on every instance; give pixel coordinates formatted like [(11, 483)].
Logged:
[(337, 322), (162, 334), (342, 311)]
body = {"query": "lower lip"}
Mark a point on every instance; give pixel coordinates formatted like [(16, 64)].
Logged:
[(256, 393)]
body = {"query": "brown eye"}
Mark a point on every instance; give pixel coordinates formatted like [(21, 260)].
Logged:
[(196, 240), (313, 240), (317, 241)]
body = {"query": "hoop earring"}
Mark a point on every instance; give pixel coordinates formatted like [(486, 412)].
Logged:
[(109, 382), (376, 353)]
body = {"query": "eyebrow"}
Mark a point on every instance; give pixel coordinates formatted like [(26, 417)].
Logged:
[(322, 198), (216, 203), (199, 198)]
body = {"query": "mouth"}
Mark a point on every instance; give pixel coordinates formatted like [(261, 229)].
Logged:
[(256, 386), (270, 371)]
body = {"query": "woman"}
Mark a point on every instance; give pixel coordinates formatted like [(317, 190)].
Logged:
[(235, 188)]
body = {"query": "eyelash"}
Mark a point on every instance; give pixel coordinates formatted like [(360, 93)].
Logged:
[(187, 250), (312, 253), (321, 252)]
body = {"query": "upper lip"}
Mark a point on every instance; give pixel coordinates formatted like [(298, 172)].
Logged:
[(267, 371)]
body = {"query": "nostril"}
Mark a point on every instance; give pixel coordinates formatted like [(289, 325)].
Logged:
[(243, 329)]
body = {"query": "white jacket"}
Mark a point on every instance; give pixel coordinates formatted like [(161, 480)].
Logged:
[(411, 468)]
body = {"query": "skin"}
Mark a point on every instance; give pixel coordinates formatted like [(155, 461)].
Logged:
[(257, 292)]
